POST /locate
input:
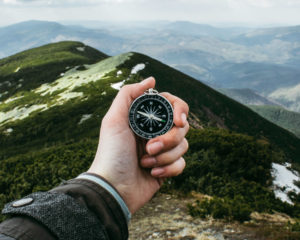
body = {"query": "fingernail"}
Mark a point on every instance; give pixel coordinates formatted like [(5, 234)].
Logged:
[(149, 162), (157, 172), (154, 148), (183, 118)]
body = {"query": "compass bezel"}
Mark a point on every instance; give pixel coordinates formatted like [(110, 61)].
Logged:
[(147, 97)]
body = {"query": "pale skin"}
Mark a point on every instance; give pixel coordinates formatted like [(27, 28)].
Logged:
[(136, 168)]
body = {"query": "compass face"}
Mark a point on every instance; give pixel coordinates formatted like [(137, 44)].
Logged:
[(151, 115)]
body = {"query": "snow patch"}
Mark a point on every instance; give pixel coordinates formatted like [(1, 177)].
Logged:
[(20, 113), (65, 96), (9, 130), (85, 117), (80, 49), (12, 99), (119, 73), (137, 68), (118, 85), (74, 78), (62, 74), (4, 93), (8, 83), (18, 69), (284, 178)]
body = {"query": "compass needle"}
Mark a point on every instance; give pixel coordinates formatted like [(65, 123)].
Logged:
[(150, 115)]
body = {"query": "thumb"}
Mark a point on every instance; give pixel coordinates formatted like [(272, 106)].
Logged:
[(127, 94)]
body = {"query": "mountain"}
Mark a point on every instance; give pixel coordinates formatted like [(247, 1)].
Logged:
[(278, 39), (288, 97), (280, 116), (29, 34), (29, 69), (268, 109), (49, 131), (246, 96), (196, 29), (260, 77), (267, 35)]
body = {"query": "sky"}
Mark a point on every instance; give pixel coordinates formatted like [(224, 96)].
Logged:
[(215, 12)]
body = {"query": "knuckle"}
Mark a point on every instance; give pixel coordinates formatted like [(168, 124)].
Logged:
[(163, 159), (186, 106), (125, 88), (174, 140), (104, 120), (187, 126), (166, 93), (183, 164), (185, 145), (180, 167)]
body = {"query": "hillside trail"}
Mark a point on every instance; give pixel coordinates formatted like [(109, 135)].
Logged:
[(166, 217)]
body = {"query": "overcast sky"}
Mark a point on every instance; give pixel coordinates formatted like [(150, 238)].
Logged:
[(250, 12)]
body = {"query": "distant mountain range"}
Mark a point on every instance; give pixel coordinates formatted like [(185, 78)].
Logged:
[(53, 99), (265, 60), (26, 35), (247, 96)]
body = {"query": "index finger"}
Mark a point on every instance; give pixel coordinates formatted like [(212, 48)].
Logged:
[(181, 109)]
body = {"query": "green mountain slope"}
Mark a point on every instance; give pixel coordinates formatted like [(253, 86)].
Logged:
[(49, 130), (280, 116), (31, 68)]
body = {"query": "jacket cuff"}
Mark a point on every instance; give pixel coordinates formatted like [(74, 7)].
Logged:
[(108, 187), (99, 201), (64, 217)]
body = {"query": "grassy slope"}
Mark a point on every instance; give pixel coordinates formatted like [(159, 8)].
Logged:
[(42, 65), (280, 116)]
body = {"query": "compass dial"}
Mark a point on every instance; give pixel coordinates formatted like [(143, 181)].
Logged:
[(151, 115)]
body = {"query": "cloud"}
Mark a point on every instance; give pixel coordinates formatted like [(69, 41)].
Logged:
[(264, 3), (60, 2), (257, 12)]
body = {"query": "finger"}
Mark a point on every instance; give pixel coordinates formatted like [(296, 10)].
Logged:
[(167, 157), (126, 96), (167, 141), (170, 170), (181, 109)]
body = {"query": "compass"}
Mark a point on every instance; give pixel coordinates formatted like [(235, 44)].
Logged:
[(150, 115)]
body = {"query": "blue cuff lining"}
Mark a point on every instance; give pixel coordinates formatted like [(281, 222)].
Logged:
[(111, 190)]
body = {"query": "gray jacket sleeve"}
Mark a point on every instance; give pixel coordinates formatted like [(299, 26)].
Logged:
[(78, 209)]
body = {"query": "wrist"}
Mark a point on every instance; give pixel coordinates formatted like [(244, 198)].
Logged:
[(96, 178)]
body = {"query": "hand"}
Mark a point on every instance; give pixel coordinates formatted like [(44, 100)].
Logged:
[(137, 170)]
